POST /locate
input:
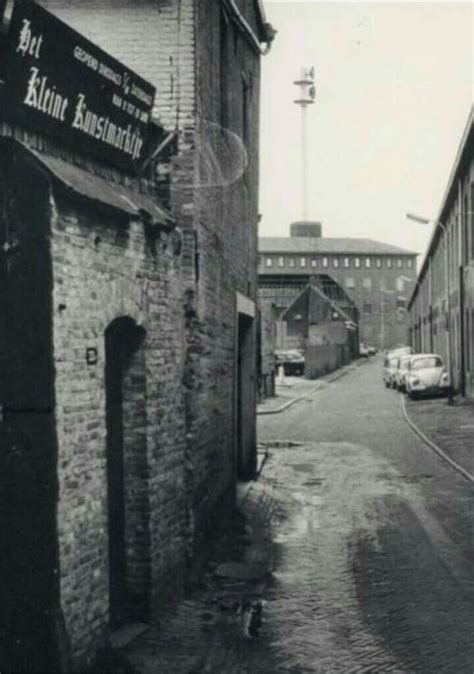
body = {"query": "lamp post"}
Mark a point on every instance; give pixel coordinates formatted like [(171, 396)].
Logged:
[(383, 292), (437, 223)]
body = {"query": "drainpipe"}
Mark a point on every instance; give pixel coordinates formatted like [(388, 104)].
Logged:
[(461, 291)]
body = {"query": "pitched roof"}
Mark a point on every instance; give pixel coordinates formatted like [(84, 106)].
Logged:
[(310, 244)]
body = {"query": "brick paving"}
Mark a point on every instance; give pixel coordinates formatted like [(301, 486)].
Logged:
[(451, 427), (364, 575), (209, 631)]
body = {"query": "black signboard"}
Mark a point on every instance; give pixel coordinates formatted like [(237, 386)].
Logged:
[(59, 83)]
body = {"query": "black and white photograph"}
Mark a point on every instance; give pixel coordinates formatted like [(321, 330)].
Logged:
[(236, 337)]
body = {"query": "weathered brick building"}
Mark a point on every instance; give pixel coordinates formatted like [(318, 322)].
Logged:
[(128, 348), (441, 309)]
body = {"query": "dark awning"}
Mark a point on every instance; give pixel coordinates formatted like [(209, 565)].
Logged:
[(80, 182)]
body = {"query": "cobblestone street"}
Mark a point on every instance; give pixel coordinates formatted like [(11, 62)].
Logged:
[(370, 552)]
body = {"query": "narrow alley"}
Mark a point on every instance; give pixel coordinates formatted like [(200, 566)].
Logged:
[(371, 546)]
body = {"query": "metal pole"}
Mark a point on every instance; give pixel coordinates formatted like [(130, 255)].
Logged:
[(448, 311), (421, 324), (304, 166), (382, 327)]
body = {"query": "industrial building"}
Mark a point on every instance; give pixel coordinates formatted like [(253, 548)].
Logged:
[(377, 277)]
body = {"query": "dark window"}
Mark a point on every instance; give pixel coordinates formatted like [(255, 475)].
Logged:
[(465, 231), (367, 308), (245, 111), (426, 363), (471, 213), (400, 304), (223, 65)]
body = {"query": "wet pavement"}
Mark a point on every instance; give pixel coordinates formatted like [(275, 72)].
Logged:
[(369, 539)]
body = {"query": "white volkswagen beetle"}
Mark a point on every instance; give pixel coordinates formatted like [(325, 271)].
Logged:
[(426, 375)]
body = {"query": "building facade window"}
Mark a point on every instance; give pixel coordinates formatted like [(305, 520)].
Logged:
[(399, 263), (378, 262), (400, 303), (367, 308), (314, 262), (335, 262), (291, 261), (389, 263), (325, 262), (367, 262), (357, 262), (268, 262), (302, 262), (281, 261), (347, 262), (471, 227), (367, 283), (350, 283), (409, 264)]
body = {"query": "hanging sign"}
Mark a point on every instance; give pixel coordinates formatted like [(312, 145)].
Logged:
[(59, 83)]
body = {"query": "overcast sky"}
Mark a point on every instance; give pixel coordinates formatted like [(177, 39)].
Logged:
[(394, 89)]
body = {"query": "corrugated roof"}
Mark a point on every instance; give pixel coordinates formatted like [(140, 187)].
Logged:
[(307, 244), (84, 184)]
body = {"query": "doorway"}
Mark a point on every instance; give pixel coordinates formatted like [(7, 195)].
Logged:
[(246, 398), (127, 473)]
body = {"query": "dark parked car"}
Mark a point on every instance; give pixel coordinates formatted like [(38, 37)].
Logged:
[(292, 361)]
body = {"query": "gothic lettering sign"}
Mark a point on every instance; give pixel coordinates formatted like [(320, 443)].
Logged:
[(59, 83)]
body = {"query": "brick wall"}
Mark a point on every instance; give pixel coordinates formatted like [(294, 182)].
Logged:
[(104, 270), (225, 218), (155, 38)]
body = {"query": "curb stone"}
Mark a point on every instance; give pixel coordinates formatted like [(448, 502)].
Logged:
[(434, 446), (342, 372)]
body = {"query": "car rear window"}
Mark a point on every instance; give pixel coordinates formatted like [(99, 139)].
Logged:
[(424, 363)]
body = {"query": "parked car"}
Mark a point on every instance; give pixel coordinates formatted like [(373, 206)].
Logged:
[(292, 361), (402, 372), (390, 366), (372, 350), (427, 376), (363, 351)]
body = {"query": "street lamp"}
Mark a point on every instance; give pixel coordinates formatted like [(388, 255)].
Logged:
[(383, 292), (437, 223)]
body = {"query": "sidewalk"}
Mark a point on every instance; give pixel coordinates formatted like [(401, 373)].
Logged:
[(297, 388), (213, 629), (449, 427)]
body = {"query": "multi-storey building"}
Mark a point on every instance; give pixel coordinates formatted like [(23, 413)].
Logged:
[(376, 276), (128, 320), (441, 308)]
